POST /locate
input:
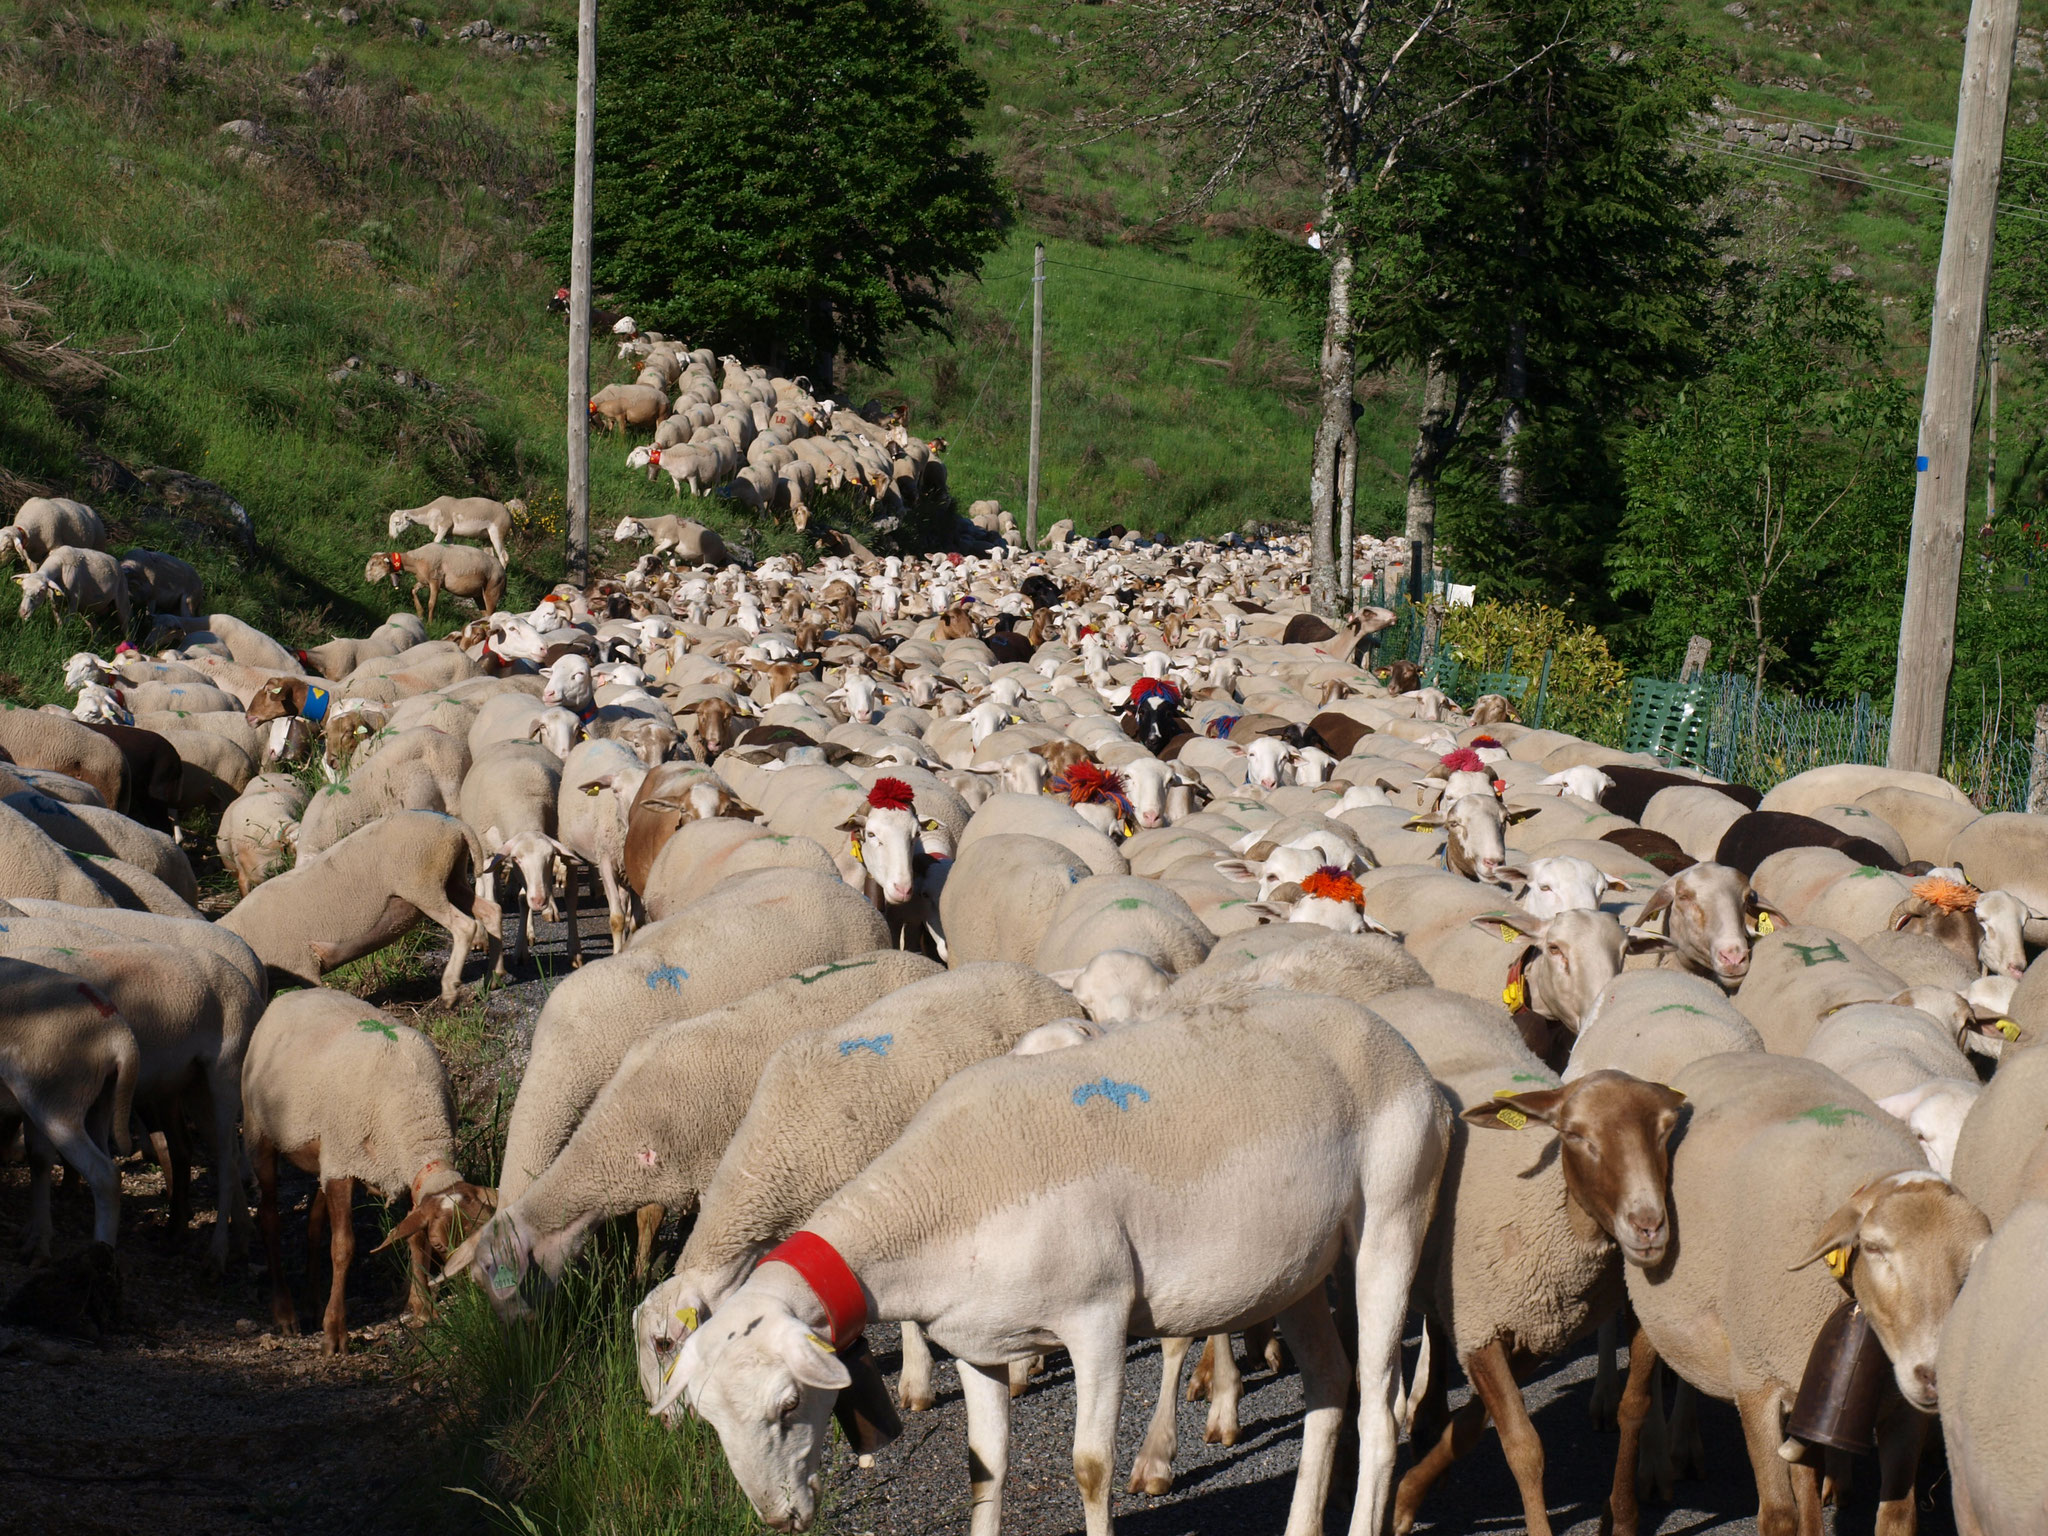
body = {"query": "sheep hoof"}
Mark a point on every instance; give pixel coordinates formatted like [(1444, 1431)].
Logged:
[(919, 1402), (1149, 1479)]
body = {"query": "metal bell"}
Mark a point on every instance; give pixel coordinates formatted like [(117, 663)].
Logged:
[(1844, 1382)]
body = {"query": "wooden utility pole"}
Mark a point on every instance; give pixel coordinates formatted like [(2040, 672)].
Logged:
[(1927, 626), (578, 493), (1037, 386)]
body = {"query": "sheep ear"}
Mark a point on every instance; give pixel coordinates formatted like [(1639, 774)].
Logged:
[(1906, 911), (1374, 926), (1430, 822), (1763, 919), (1659, 902), (415, 1221), (1066, 979), (1840, 1232), (1516, 818), (1289, 893), (1502, 923), (1512, 1111)]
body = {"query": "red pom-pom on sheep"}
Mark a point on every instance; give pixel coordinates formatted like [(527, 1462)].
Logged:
[(1333, 884), (1086, 783), (1485, 741), (1464, 760), (1148, 687), (891, 795)]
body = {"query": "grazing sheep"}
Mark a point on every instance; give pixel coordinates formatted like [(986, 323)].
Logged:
[(692, 542), (619, 406), (741, 935), (598, 782), (864, 1077), (712, 1063), (458, 568), (1782, 1162), (508, 799), (1993, 1353), (162, 583), (369, 890), (346, 1092), (34, 864), (467, 517), (1078, 1214), (61, 1042), (260, 829), (87, 580), (44, 523)]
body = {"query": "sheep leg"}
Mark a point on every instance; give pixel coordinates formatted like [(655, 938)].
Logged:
[(1152, 1472), (1493, 1381), (1262, 1342), (1022, 1369), (1606, 1399), (914, 1386), (1901, 1433), (79, 1149), (570, 880), (419, 1301), (1656, 1477), (341, 1251), (1778, 1501), (647, 1223), (1619, 1518), (231, 1205), (1226, 1387), (617, 903), (986, 1389), (433, 597), (35, 1234), (178, 1171), (1325, 1388), (284, 1311), (1461, 1431), (1688, 1451), (1391, 1243), (1429, 1398), (1097, 1349)]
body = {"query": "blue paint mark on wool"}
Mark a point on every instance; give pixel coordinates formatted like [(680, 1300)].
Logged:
[(879, 1044), (669, 975), (1119, 1094)]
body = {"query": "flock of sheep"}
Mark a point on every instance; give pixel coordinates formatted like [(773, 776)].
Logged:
[(1040, 948), (763, 442)]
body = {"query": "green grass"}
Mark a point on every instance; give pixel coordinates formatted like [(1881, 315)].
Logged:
[(552, 1431)]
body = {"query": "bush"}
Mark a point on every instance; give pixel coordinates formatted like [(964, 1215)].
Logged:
[(1588, 687)]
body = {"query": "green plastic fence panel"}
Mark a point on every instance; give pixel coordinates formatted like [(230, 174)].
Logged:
[(1668, 720)]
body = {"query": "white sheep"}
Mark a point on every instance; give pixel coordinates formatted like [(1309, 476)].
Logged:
[(86, 580), (346, 1092), (1103, 1227), (259, 830), (44, 523), (1989, 1367), (467, 517)]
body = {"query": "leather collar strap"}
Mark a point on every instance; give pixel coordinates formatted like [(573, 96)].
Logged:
[(838, 1292)]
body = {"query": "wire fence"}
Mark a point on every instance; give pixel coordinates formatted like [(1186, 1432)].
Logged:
[(1729, 728)]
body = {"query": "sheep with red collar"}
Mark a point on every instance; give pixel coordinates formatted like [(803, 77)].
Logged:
[(456, 568), (347, 1093), (1074, 1216)]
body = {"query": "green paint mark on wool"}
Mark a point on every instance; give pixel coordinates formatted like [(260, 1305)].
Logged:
[(377, 1027), (1680, 1008), (1129, 903), (1833, 1116)]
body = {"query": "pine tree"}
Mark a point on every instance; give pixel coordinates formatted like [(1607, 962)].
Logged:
[(786, 181)]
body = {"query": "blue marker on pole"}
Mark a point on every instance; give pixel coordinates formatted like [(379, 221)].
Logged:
[(1920, 464)]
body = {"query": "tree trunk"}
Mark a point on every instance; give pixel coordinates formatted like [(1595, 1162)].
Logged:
[(1433, 435), (1514, 479), (1339, 369), (1347, 507)]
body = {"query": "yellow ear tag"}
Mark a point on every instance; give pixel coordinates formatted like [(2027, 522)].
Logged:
[(824, 1344), (2007, 1028), (854, 849), (688, 1318), (1837, 1261), (1507, 934), (1515, 995), (1764, 924)]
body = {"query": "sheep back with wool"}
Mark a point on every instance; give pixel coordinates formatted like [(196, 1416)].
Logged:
[(327, 1073), (1358, 967), (711, 1063), (1798, 974), (744, 933), (1654, 1024), (1771, 1147), (2002, 1155), (60, 744), (94, 830), (1994, 1354), (34, 864), (700, 854), (1047, 817), (2005, 852), (831, 1101), (1124, 912), (1001, 894), (193, 933)]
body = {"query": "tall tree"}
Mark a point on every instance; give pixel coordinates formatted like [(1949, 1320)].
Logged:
[(1544, 259), (1326, 86), (1767, 507), (789, 181)]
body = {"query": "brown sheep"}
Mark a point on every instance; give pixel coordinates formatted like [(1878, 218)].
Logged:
[(462, 569)]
